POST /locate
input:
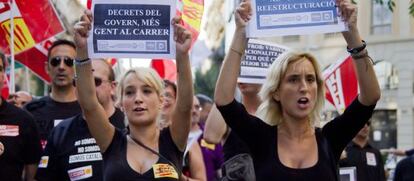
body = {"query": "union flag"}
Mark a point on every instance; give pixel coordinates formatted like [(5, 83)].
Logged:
[(341, 83), (34, 22)]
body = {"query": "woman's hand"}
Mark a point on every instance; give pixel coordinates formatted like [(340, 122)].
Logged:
[(243, 14), (182, 37), (348, 12), (82, 28)]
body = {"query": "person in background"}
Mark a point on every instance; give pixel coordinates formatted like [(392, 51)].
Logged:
[(234, 149), (404, 169), (70, 139), (206, 105), (367, 159), (193, 165), (20, 148), (50, 110)]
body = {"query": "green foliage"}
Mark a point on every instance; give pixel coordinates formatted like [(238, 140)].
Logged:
[(391, 5), (206, 83)]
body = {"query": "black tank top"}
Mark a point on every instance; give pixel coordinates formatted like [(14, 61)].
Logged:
[(116, 167)]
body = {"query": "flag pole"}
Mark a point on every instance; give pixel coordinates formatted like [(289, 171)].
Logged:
[(12, 80)]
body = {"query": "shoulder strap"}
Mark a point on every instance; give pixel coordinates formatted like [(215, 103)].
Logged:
[(328, 153), (156, 153)]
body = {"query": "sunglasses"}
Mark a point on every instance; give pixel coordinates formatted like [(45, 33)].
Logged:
[(55, 61), (98, 82)]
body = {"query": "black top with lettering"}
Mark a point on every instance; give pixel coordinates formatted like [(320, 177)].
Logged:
[(48, 113), (20, 137), (116, 167), (71, 152), (261, 139), (367, 160)]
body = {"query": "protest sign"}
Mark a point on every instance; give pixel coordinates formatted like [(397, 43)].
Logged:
[(132, 29), (259, 55), (294, 17), (347, 174)]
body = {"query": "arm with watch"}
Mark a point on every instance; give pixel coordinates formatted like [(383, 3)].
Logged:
[(93, 112), (367, 80)]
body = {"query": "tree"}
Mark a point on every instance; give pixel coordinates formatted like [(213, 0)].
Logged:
[(391, 5)]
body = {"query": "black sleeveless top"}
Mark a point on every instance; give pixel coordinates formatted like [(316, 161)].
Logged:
[(116, 166)]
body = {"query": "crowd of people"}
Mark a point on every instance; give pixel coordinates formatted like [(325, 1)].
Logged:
[(93, 127)]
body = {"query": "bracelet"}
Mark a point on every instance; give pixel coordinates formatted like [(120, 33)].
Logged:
[(362, 55), (82, 62), (359, 55), (357, 49), (234, 50)]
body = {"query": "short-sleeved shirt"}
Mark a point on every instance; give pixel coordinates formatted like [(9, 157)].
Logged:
[(367, 160), (71, 153), (48, 113), (20, 138), (261, 140), (212, 156), (116, 167)]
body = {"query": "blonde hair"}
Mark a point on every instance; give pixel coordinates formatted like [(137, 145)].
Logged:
[(270, 111), (147, 75)]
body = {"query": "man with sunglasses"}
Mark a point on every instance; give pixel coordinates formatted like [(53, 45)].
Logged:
[(50, 110), (71, 152), (19, 139), (367, 159)]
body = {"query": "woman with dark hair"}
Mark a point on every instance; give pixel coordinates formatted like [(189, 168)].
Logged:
[(283, 139)]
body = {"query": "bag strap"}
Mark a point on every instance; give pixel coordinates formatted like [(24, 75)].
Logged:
[(155, 153)]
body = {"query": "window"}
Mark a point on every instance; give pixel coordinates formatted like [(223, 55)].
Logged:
[(381, 18), (387, 75)]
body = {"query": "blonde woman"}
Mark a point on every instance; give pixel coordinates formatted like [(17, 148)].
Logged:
[(145, 152), (283, 139)]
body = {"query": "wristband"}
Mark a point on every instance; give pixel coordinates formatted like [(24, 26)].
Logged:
[(82, 62), (357, 49)]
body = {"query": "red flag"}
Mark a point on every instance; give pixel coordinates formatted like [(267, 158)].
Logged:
[(341, 84), (5, 88), (34, 22), (36, 58), (165, 68), (89, 4)]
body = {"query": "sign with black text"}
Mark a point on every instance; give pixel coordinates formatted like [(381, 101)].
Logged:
[(294, 17), (132, 29), (259, 55)]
